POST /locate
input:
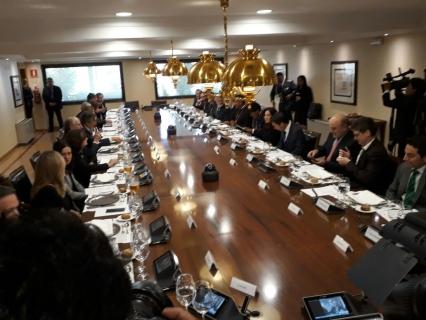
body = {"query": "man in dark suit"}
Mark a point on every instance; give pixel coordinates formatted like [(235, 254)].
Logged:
[(52, 96), (409, 182), (340, 137), (292, 138), (370, 169), (285, 90)]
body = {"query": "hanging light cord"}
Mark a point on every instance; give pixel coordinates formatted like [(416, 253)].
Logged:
[(224, 4)]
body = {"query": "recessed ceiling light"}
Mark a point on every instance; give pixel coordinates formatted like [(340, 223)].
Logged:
[(7, 59), (123, 14), (386, 34), (294, 46), (264, 11), (331, 41)]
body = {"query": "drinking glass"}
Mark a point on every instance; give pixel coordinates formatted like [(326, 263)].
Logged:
[(344, 186), (134, 185), (128, 167), (185, 289), (135, 204), (141, 251), (203, 299)]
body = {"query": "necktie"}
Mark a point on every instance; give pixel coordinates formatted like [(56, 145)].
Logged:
[(411, 189), (283, 136), (333, 149), (359, 156)]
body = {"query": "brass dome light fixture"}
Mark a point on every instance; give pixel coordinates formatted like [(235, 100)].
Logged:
[(247, 72), (207, 70), (174, 68), (151, 71)]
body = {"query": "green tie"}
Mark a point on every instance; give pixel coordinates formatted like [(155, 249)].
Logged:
[(411, 189)]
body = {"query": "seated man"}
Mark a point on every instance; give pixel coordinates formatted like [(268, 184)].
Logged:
[(53, 266), (9, 203), (370, 169), (85, 107), (409, 182), (292, 138), (340, 137)]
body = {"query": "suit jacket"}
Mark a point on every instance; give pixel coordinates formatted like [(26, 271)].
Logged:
[(82, 169), (55, 98), (347, 141), (295, 141), (373, 169), (399, 185), (268, 134)]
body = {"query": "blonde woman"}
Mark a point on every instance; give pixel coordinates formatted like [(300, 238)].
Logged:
[(48, 190)]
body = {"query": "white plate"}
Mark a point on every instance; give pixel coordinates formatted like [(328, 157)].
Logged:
[(358, 209)]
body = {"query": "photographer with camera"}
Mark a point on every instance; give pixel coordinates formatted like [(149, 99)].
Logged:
[(409, 116)]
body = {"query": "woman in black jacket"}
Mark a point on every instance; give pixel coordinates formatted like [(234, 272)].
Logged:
[(82, 167), (48, 190), (73, 188), (267, 133), (304, 98)]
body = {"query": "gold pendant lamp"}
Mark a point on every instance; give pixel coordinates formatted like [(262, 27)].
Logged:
[(207, 70), (249, 71), (151, 71), (174, 68)]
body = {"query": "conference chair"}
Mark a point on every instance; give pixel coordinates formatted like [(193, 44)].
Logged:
[(21, 183), (34, 159)]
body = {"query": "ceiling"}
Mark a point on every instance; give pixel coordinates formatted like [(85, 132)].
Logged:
[(62, 30)]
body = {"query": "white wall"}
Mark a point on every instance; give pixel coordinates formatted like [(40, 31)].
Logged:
[(9, 115), (405, 51)]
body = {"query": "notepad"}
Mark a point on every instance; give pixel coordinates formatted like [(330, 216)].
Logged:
[(365, 197)]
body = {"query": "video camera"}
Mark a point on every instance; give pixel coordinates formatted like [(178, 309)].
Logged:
[(398, 84)]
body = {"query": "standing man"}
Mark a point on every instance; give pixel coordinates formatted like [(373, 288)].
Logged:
[(28, 100), (52, 96), (277, 89), (408, 185), (286, 91)]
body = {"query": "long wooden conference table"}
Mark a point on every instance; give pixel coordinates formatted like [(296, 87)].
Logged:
[(249, 231)]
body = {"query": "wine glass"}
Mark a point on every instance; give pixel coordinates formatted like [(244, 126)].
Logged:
[(141, 250), (203, 299), (185, 289)]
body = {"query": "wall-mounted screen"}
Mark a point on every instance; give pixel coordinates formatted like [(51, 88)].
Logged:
[(165, 89), (76, 81)]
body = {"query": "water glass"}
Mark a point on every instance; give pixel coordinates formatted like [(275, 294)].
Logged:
[(204, 298), (185, 289)]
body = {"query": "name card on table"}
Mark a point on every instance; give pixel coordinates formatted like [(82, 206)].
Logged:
[(216, 149), (372, 234), (294, 209), (205, 140), (232, 162), (249, 157), (167, 174), (211, 262), (234, 146), (327, 205), (342, 244), (219, 137), (191, 223), (243, 286), (263, 185), (288, 183)]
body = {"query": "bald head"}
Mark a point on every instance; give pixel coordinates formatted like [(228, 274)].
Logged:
[(72, 123), (338, 125)]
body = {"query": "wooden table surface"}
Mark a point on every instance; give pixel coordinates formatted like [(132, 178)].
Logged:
[(249, 231)]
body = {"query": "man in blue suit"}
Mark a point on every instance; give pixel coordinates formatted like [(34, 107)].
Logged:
[(408, 185), (292, 138)]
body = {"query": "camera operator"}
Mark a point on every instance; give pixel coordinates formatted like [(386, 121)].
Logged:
[(409, 116)]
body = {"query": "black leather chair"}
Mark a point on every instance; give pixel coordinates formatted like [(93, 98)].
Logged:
[(311, 141), (22, 184), (34, 159), (132, 105)]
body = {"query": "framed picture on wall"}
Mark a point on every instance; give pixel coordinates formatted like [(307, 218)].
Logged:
[(281, 67), (344, 78), (18, 98)]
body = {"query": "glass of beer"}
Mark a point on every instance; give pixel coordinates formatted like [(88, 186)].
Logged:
[(128, 167), (134, 185), (122, 185)]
